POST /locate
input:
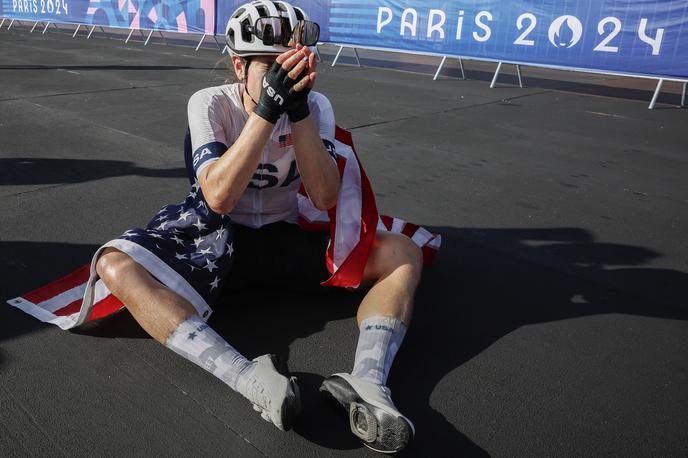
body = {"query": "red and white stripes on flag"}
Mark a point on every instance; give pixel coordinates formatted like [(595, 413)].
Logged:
[(81, 296), (62, 301), (354, 221)]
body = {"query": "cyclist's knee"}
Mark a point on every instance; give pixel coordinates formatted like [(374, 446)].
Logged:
[(111, 266)]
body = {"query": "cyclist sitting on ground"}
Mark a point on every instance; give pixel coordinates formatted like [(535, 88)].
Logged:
[(253, 144)]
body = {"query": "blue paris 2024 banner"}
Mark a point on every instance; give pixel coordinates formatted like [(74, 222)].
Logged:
[(194, 16), (640, 37)]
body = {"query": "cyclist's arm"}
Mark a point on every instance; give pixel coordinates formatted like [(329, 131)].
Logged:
[(318, 170), (225, 180)]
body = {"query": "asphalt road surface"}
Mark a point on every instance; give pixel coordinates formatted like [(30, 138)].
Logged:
[(552, 324)]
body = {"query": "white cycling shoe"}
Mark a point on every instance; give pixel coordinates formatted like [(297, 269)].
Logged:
[(372, 415), (275, 396)]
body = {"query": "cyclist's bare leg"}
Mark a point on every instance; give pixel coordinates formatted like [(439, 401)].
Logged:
[(155, 307)]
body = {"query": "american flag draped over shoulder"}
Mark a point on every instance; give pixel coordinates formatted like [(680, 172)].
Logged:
[(81, 296)]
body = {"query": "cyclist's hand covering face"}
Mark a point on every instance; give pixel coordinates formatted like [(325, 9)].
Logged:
[(281, 84), (299, 109)]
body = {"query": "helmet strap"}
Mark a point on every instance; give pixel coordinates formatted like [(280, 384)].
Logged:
[(245, 81), (249, 95), (247, 63)]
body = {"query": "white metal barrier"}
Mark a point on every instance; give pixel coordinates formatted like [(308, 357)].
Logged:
[(223, 49), (653, 102)]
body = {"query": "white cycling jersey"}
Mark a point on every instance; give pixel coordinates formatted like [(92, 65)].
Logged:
[(217, 117)]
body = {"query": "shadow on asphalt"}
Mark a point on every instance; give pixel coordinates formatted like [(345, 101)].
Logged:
[(470, 298), (34, 171)]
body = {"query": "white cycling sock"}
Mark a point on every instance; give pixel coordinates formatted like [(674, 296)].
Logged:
[(380, 338), (199, 343)]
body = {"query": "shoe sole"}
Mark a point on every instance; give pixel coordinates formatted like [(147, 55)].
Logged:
[(377, 428)]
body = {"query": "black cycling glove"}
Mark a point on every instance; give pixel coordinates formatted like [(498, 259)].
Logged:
[(276, 94), (298, 109)]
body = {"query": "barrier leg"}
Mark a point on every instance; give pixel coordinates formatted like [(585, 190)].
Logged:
[(34, 26), (2, 23), (129, 36), (78, 26), (520, 79), (358, 61), (89, 33), (463, 72), (10, 26), (683, 94), (439, 69), (217, 43), (149, 35), (225, 49), (494, 79), (162, 36), (334, 62), (141, 33), (46, 28), (318, 57), (200, 42), (656, 96)]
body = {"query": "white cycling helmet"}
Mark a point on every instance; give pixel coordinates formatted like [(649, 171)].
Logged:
[(242, 42)]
